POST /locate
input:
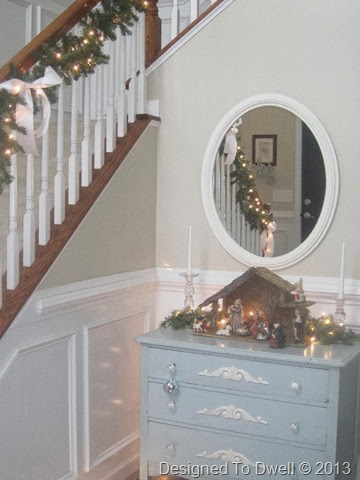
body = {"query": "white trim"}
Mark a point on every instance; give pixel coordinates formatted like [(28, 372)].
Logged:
[(194, 31), (331, 190), (314, 285), (49, 300)]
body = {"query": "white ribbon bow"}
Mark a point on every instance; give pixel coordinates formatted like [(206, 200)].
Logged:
[(25, 113)]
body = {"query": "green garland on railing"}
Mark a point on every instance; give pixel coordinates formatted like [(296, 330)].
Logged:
[(71, 57), (257, 214)]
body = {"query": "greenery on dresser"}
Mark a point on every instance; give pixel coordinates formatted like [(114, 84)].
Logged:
[(326, 331), (182, 318), (72, 56)]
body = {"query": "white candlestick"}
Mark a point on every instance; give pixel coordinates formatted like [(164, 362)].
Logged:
[(342, 265), (189, 253)]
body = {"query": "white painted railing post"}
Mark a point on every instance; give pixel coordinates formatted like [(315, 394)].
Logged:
[(59, 180), (12, 264), (174, 19), (86, 153), (73, 174), (99, 154), (141, 105), (111, 112), (0, 283), (194, 10), (133, 82), (29, 217), (44, 197), (121, 98)]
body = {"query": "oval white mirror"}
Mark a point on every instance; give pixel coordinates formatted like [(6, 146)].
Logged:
[(269, 170)]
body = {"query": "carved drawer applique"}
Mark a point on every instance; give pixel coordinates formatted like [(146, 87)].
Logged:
[(227, 456), (233, 373), (233, 413)]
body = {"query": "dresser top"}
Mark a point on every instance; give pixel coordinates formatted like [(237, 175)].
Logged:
[(185, 339)]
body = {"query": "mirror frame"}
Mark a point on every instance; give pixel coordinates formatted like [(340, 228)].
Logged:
[(331, 188)]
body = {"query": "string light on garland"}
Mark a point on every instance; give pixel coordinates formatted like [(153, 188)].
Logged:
[(326, 331), (257, 214), (72, 56)]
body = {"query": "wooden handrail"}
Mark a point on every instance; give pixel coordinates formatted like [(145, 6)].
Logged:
[(24, 59)]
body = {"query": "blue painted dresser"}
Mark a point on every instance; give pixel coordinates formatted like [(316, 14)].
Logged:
[(214, 408)]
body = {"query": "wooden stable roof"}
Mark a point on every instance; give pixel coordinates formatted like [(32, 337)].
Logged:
[(250, 274)]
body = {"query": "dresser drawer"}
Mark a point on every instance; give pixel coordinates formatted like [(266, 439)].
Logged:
[(240, 414), (254, 376), (171, 446)]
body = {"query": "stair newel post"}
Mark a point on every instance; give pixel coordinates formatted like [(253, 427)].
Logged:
[(152, 31), (174, 19), (44, 197), (59, 180), (29, 217), (86, 154), (99, 126), (111, 113), (121, 97), (73, 173), (133, 80), (12, 245), (141, 105)]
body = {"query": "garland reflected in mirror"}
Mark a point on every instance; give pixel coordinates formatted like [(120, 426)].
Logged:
[(270, 181)]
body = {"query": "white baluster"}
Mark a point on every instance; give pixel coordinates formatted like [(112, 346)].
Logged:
[(141, 105), (86, 153), (44, 197), (0, 283), (74, 180), (217, 181), (121, 98), (12, 266), (174, 19), (28, 23), (29, 217), (99, 153), (233, 211), (111, 113), (228, 199), (222, 193), (194, 10), (59, 180), (132, 85)]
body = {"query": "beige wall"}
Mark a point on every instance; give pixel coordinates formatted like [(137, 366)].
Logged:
[(272, 121), (305, 50), (118, 234)]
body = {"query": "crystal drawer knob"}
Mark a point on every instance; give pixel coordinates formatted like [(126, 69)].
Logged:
[(295, 385), (171, 449), (171, 368), (169, 386), (293, 426)]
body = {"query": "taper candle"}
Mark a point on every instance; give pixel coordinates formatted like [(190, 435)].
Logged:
[(342, 267), (189, 252)]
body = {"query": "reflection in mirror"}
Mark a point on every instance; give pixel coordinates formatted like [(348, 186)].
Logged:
[(287, 150), (269, 181)]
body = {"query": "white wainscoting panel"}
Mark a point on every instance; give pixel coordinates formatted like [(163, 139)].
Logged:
[(111, 423), (38, 412), (69, 374)]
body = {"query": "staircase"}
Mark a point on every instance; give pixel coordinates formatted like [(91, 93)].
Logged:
[(87, 141)]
